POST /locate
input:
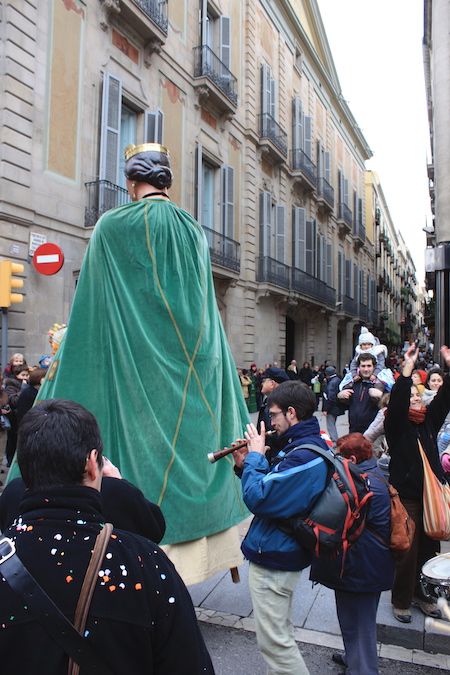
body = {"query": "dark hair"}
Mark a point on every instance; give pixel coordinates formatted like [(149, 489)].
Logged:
[(366, 357), (54, 442), (354, 444), (19, 369), (296, 395), (433, 371), (36, 376), (150, 167)]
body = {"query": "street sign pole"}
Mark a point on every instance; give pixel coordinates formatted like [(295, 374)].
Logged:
[(4, 338)]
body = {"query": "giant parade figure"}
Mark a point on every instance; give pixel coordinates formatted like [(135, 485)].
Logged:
[(145, 351)]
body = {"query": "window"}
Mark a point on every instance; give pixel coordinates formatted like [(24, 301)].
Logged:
[(215, 38), (268, 92), (301, 129), (212, 181), (272, 229), (323, 163), (119, 128), (310, 252)]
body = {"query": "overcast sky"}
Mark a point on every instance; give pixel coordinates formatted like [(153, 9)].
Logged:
[(377, 52)]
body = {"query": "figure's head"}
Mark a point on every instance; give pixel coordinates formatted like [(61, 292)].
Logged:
[(17, 360), (290, 403), (435, 379), (366, 340), (415, 399), (21, 372), (366, 363), (148, 163), (36, 377), (355, 447), (57, 443)]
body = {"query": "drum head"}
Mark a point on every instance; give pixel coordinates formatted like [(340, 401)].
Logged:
[(438, 569)]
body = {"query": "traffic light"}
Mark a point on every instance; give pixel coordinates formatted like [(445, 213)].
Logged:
[(7, 282)]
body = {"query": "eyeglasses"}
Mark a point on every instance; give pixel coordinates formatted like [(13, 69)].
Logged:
[(280, 412)]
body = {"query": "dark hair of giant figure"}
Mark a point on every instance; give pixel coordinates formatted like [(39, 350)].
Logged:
[(148, 163)]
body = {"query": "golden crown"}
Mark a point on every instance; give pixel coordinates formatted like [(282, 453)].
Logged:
[(133, 149)]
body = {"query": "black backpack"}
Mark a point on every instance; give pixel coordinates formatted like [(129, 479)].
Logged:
[(338, 516)]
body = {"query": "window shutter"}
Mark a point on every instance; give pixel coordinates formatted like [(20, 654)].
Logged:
[(225, 44), (266, 78), (329, 263), (110, 128), (154, 127), (265, 220), (297, 126), (204, 21), (360, 212), (355, 282), (319, 160), (310, 247), (346, 192), (355, 211), (227, 201), (273, 99), (280, 233), (307, 137), (348, 278), (199, 182), (341, 275), (341, 186), (299, 237), (361, 286), (327, 167), (320, 257)]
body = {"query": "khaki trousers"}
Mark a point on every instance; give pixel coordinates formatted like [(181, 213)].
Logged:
[(271, 592)]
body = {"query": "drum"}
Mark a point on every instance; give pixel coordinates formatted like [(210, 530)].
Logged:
[(435, 577)]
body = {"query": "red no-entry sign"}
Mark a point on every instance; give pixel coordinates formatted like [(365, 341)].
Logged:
[(48, 259)]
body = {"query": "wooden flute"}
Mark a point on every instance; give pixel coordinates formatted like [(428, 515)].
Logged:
[(214, 456)]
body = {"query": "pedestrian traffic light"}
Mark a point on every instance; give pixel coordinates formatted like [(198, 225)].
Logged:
[(8, 282)]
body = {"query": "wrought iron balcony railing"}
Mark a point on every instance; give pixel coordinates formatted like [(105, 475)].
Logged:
[(102, 196), (312, 287), (271, 130), (345, 214), (326, 191), (156, 10), (301, 162), (273, 272), (223, 250), (349, 305), (207, 64)]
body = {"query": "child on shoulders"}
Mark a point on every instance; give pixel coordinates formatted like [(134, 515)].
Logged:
[(368, 344)]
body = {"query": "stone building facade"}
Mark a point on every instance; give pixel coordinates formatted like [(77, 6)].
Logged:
[(264, 149)]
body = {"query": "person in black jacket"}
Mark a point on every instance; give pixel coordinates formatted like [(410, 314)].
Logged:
[(28, 395), (141, 618), (362, 396), (330, 406), (407, 422)]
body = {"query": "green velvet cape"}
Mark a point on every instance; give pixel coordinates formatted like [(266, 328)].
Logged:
[(145, 351)]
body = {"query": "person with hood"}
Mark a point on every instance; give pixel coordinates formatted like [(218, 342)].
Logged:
[(407, 423), (289, 486), (369, 344), (330, 406), (306, 374)]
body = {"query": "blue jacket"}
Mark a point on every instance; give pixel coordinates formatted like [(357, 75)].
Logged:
[(369, 564), (289, 487)]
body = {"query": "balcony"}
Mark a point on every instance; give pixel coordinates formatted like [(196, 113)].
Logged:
[(273, 272), (359, 235), (313, 288), (273, 139), (303, 169), (223, 251), (213, 80), (362, 311), (148, 17), (325, 196), (344, 219), (102, 196), (373, 316), (349, 305)]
